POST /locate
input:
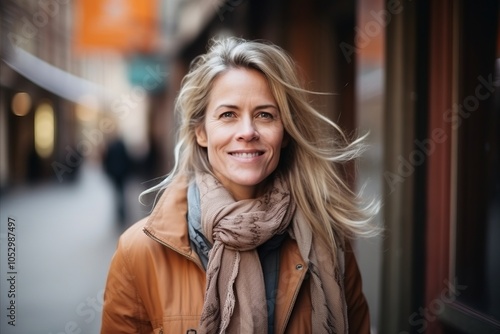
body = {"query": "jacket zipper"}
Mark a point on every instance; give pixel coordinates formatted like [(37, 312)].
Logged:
[(172, 248)]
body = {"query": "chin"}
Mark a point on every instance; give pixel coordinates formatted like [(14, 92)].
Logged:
[(249, 182), (257, 182)]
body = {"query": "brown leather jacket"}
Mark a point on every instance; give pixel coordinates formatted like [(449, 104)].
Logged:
[(156, 282)]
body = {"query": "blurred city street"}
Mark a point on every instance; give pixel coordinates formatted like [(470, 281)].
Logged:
[(65, 234)]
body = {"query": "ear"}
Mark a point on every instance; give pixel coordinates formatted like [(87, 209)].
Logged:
[(201, 136)]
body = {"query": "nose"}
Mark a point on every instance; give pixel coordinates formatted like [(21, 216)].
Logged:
[(247, 130)]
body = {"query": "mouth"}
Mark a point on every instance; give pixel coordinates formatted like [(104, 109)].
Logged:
[(246, 155)]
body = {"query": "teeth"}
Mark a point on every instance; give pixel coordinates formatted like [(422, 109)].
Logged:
[(245, 155)]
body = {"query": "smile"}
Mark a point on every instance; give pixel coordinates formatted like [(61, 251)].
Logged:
[(246, 155)]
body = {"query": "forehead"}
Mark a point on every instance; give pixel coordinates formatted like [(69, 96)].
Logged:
[(241, 82)]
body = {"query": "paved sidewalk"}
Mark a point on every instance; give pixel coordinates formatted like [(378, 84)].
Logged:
[(65, 235)]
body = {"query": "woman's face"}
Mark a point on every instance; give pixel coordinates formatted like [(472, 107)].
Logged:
[(243, 132)]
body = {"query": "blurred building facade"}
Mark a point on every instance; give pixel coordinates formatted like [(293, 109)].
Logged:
[(423, 76), (441, 167), (28, 30)]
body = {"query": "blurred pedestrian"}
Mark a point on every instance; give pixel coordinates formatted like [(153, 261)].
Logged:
[(117, 165), (251, 233)]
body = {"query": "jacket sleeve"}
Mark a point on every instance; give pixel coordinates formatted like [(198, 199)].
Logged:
[(357, 308), (122, 310)]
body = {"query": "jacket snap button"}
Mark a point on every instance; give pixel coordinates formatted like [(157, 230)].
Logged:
[(299, 267)]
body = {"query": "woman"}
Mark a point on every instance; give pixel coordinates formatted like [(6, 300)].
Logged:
[(251, 232)]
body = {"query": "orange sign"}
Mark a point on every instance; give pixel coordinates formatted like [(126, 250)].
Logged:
[(123, 25)]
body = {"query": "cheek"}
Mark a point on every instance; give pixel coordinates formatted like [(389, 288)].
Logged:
[(279, 138)]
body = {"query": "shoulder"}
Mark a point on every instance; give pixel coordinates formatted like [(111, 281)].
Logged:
[(134, 238), (358, 313), (134, 244)]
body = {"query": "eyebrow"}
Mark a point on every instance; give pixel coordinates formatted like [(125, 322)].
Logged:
[(263, 106)]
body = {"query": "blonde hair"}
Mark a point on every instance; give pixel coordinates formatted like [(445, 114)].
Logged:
[(309, 162)]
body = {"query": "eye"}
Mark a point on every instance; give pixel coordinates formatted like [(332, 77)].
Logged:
[(265, 115), (227, 114)]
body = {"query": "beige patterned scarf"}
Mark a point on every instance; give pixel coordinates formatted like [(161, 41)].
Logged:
[(235, 293)]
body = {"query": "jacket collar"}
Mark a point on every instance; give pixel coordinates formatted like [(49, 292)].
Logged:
[(167, 223)]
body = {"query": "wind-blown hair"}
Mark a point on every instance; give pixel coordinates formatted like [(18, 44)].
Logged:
[(310, 161)]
